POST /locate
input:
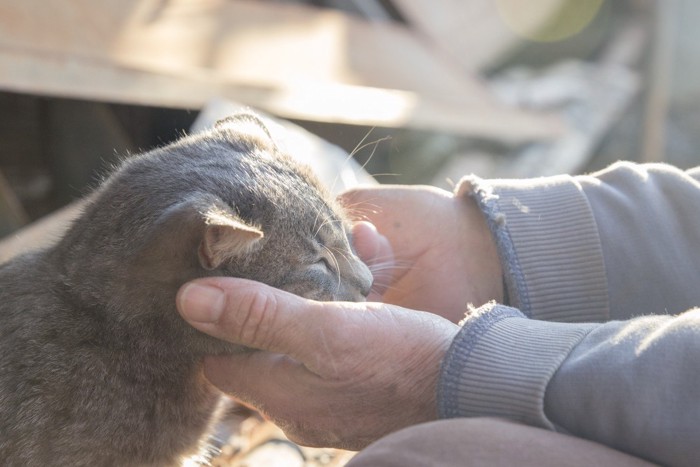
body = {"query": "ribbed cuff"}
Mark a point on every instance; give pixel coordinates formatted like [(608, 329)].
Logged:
[(549, 246), (500, 363)]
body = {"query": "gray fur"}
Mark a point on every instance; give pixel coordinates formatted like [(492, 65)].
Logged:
[(96, 366)]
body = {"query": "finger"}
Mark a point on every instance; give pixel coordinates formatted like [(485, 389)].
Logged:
[(372, 247), (255, 315), (398, 212), (249, 375), (366, 241), (280, 388), (374, 250)]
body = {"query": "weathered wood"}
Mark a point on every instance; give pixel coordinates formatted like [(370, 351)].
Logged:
[(289, 60), (41, 233)]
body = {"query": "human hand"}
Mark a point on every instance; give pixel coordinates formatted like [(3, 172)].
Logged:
[(441, 256), (329, 373)]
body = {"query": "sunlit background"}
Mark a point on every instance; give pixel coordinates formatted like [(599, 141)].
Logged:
[(497, 87), (416, 91)]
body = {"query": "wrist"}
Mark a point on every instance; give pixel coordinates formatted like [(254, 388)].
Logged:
[(479, 252), (547, 240), (500, 364)]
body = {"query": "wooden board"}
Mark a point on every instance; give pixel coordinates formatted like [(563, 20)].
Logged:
[(41, 233), (292, 61)]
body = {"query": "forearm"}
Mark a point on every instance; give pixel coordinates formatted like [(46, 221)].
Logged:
[(649, 228), (634, 385), (585, 250), (631, 385), (599, 247)]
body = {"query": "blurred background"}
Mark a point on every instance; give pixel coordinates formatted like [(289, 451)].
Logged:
[(417, 91), (423, 92)]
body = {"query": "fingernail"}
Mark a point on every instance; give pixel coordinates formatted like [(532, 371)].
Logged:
[(201, 303)]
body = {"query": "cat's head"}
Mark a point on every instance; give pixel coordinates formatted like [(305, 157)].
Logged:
[(226, 202)]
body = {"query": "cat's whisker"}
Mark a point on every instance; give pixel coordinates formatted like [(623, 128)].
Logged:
[(384, 258), (318, 213), (318, 229), (387, 174), (360, 208), (347, 159), (374, 150), (388, 267), (337, 176), (364, 138), (354, 265), (328, 221), (336, 266), (360, 146), (391, 260), (330, 213), (345, 257), (383, 288), (387, 271), (357, 217), (378, 286)]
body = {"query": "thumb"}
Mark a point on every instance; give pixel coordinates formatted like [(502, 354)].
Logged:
[(375, 251), (255, 315)]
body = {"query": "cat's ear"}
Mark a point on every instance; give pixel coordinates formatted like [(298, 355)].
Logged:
[(201, 229), (246, 125), (226, 237)]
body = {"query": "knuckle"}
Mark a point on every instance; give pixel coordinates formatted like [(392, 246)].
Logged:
[(307, 435), (257, 319)]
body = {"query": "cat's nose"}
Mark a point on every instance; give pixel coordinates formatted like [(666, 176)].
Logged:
[(365, 290), (366, 280)]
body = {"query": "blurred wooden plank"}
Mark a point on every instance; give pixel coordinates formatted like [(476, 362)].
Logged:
[(292, 61), (242, 41), (41, 233), (335, 103)]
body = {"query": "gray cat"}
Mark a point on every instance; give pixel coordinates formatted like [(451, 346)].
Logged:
[(96, 366)]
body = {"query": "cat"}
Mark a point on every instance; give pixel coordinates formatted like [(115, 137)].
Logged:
[(96, 366)]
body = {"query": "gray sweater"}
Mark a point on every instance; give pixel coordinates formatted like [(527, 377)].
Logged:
[(601, 341)]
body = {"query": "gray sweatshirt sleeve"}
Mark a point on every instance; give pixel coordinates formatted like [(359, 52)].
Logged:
[(599, 270)]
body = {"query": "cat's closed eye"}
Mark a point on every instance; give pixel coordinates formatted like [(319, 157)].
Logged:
[(325, 263)]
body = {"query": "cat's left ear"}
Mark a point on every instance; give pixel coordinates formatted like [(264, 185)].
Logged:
[(226, 237), (201, 229)]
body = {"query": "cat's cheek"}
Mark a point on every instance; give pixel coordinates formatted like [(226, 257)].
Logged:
[(303, 289), (314, 283)]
